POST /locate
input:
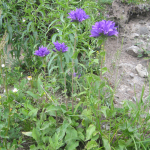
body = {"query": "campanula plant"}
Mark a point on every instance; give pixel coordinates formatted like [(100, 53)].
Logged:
[(102, 30), (77, 16), (42, 52), (61, 48)]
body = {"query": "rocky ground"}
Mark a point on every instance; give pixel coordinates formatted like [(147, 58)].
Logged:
[(125, 67)]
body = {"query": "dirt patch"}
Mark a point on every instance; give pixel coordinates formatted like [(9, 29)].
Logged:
[(134, 30)]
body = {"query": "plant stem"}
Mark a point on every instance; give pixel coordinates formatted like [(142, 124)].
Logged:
[(5, 141), (64, 80), (73, 67)]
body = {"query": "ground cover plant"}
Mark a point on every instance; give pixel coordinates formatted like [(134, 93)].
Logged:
[(55, 96)]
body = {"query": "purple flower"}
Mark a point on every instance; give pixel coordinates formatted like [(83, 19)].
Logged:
[(78, 15), (76, 74), (61, 47), (104, 27), (79, 76), (42, 52)]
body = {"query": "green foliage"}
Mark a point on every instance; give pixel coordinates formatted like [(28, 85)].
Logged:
[(37, 114)]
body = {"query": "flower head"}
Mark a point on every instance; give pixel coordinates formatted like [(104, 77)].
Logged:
[(42, 52), (104, 27), (3, 65), (78, 15), (15, 90), (61, 47), (74, 74), (29, 78), (23, 20)]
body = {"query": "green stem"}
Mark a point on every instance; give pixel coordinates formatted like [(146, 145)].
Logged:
[(64, 80), (73, 67), (5, 141)]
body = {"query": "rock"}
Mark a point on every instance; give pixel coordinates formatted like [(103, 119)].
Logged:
[(133, 51), (131, 75), (130, 92), (143, 30), (142, 71), (134, 35)]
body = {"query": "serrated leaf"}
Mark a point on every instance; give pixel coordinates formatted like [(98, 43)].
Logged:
[(90, 131), (72, 145), (71, 134), (91, 144)]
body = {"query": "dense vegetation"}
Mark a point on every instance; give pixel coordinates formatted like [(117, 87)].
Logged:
[(59, 99)]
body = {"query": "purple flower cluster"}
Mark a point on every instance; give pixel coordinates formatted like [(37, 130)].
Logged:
[(78, 15), (76, 74), (104, 27), (42, 52), (61, 47)]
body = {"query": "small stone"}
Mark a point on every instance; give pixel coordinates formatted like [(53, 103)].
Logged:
[(133, 50), (142, 71), (134, 35), (143, 30), (134, 98), (131, 75), (130, 92)]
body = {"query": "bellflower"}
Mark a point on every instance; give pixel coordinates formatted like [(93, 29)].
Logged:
[(78, 15), (42, 52), (104, 27), (76, 74), (61, 47)]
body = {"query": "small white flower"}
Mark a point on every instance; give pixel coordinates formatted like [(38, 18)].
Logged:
[(29, 78), (78, 99), (15, 90), (3, 65), (4, 91), (23, 20)]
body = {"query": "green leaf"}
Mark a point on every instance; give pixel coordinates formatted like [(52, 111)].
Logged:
[(102, 54), (33, 112), (81, 135), (62, 129), (71, 134), (28, 26), (51, 110), (32, 94), (23, 83), (122, 144), (40, 90), (104, 70), (72, 145), (27, 133), (52, 68), (75, 55), (71, 36), (51, 25), (61, 17), (90, 131), (106, 143), (104, 110), (77, 106), (91, 144), (36, 135), (54, 37)]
